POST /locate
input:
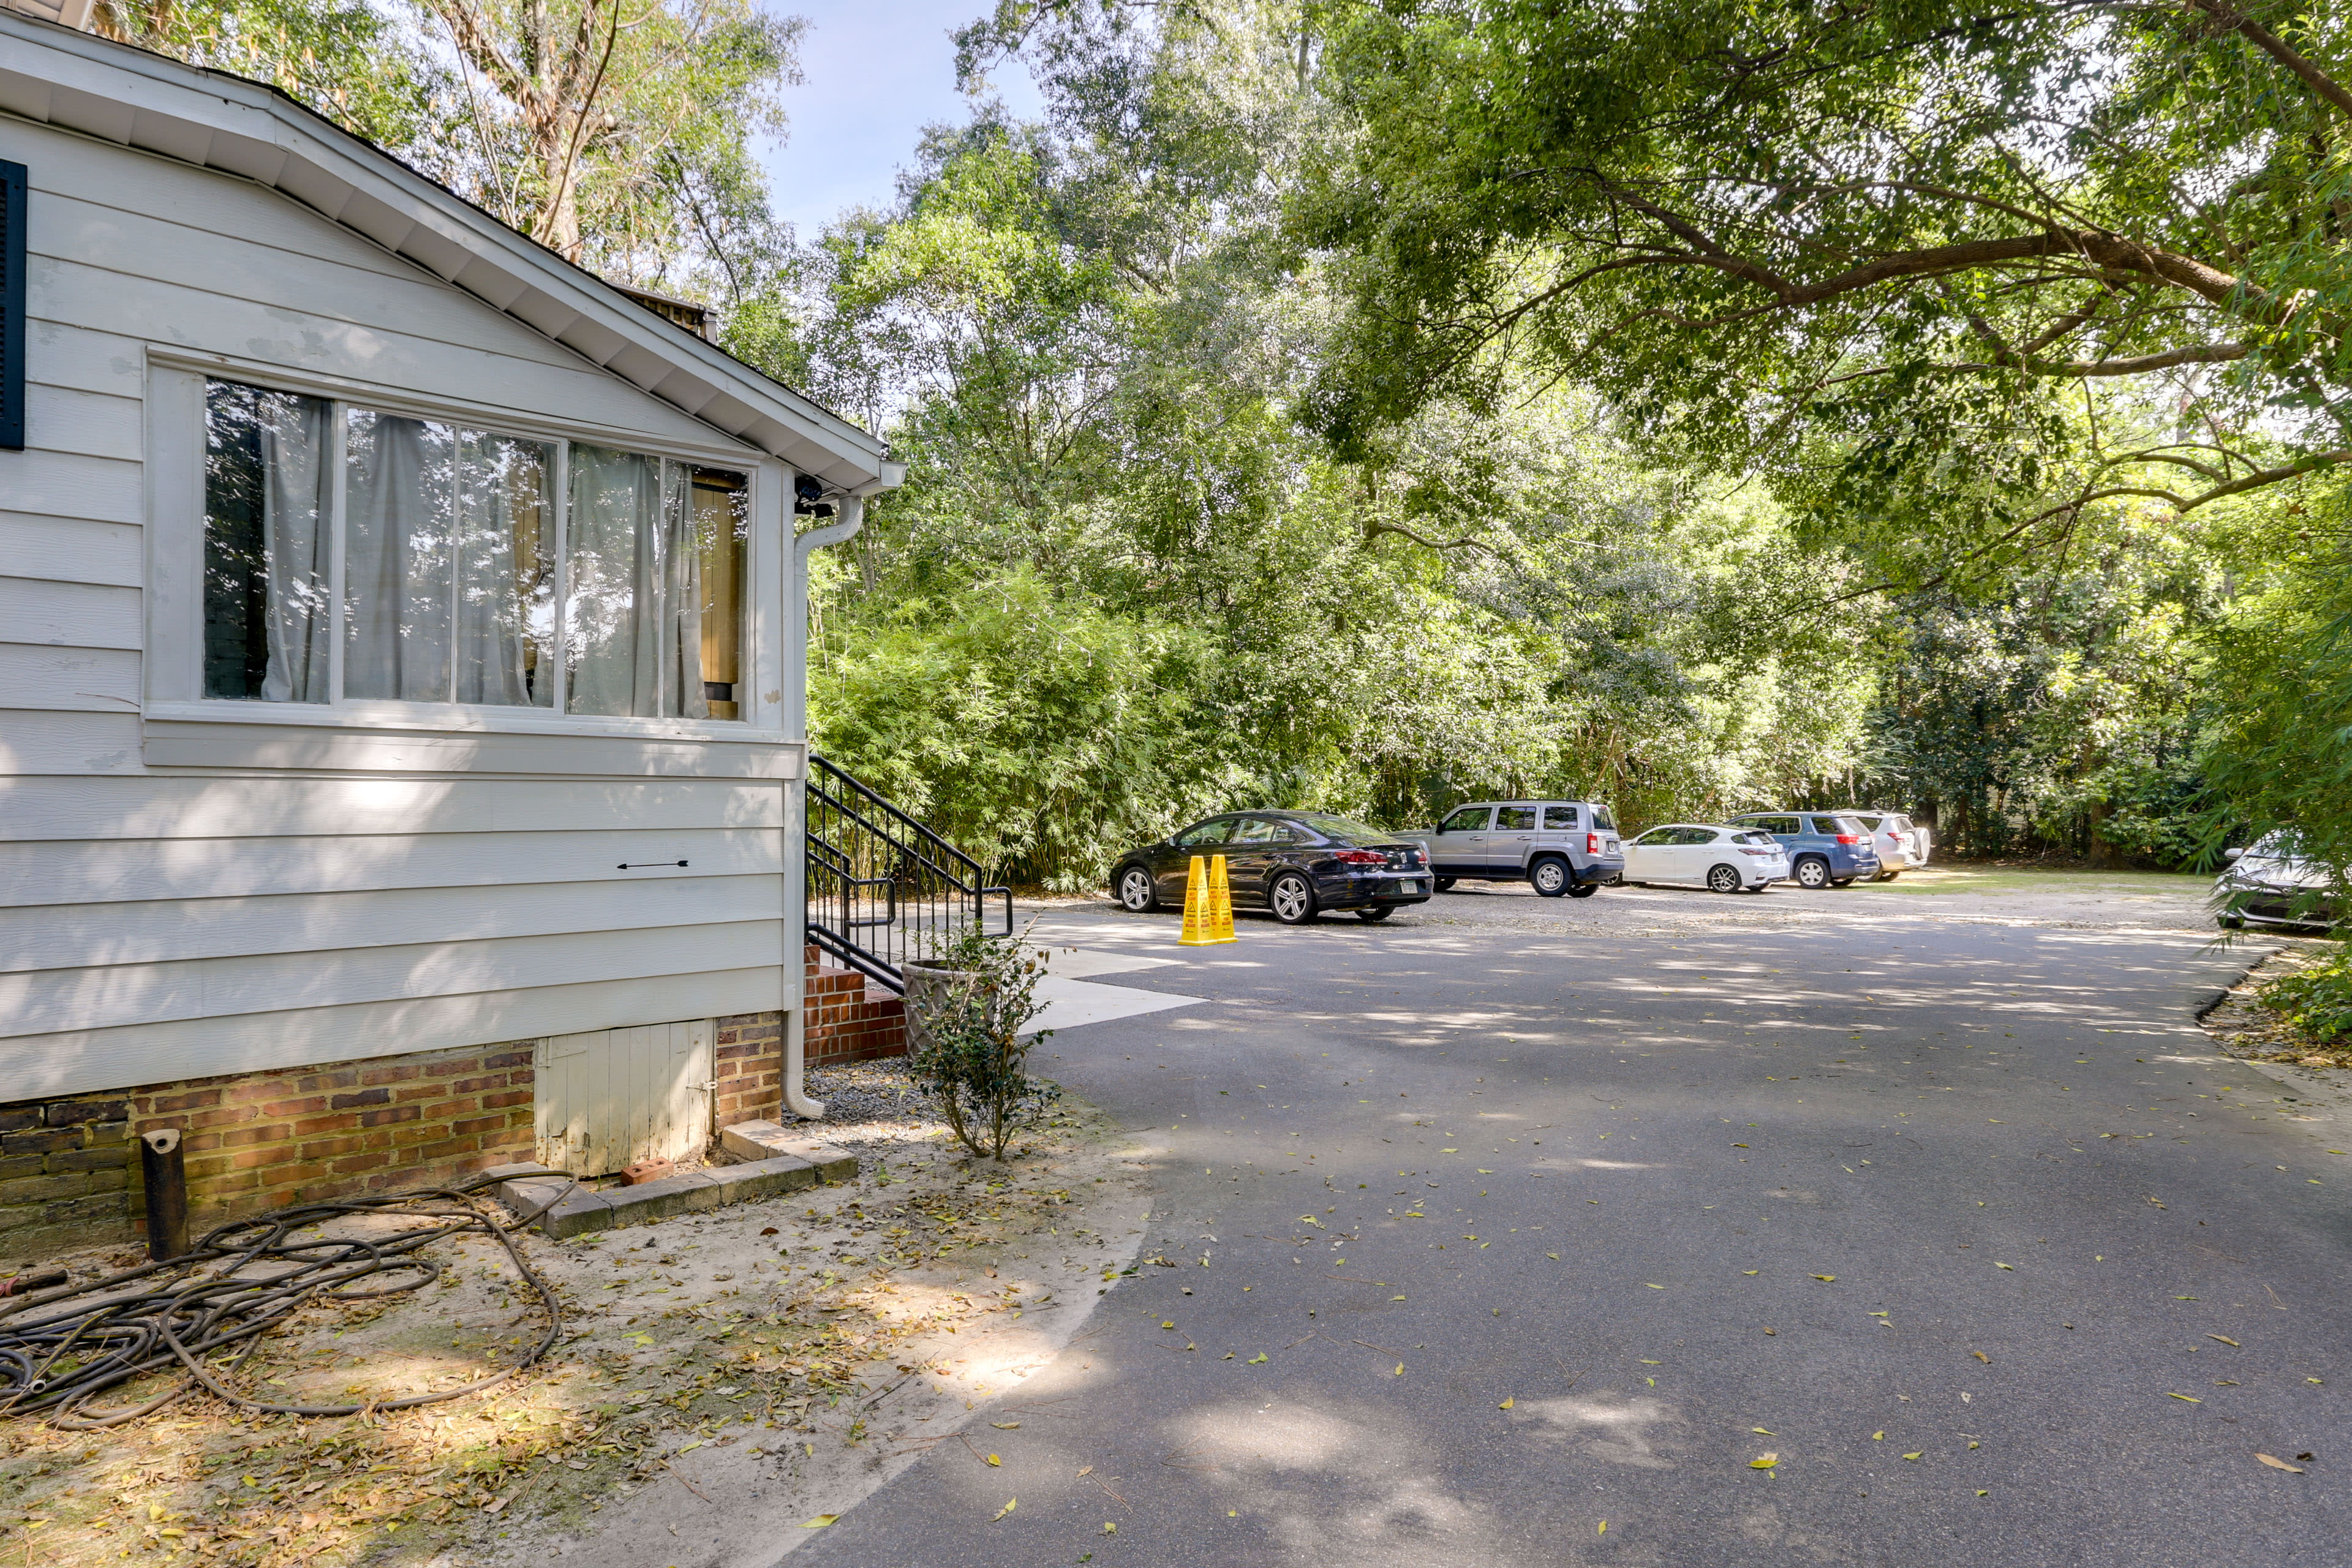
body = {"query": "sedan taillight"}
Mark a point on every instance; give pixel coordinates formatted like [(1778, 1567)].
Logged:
[(1359, 858), (1592, 844)]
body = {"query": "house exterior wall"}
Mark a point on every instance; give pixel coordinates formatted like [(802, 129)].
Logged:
[(69, 1164), (196, 892)]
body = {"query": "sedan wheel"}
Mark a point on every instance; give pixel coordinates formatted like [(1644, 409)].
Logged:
[(1291, 899), (1379, 914), (1549, 876), (1723, 879), (1812, 872), (1135, 889), (1443, 884)]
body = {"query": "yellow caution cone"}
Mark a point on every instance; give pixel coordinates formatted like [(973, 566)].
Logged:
[(1196, 907), (1221, 901)]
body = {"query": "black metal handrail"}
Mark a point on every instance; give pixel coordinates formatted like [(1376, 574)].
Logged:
[(883, 889)]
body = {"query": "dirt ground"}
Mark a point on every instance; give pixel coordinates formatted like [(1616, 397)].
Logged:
[(725, 1381)]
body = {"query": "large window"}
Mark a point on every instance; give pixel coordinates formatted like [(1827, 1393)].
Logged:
[(463, 565)]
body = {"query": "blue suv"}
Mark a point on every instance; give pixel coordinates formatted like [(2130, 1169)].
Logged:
[(1826, 848)]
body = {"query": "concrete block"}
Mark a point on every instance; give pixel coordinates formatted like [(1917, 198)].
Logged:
[(767, 1140), (576, 1212), (759, 1179), (690, 1193), (579, 1214), (526, 1168)]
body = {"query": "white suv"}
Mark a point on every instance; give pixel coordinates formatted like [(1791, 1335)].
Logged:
[(1902, 844)]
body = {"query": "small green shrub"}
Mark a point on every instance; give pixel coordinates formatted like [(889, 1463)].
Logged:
[(2315, 1000), (966, 1045)]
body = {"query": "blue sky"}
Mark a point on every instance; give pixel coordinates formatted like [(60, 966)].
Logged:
[(877, 73)]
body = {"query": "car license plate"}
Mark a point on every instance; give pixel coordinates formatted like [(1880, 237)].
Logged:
[(1409, 886)]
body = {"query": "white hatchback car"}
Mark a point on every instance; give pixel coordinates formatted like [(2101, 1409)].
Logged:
[(1723, 860)]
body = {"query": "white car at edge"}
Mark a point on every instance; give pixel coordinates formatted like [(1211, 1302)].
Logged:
[(1706, 855), (1902, 844)]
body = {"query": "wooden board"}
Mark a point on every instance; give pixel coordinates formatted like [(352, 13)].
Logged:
[(609, 1098)]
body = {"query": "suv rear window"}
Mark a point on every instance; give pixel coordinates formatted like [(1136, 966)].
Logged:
[(1602, 820), (1556, 817), (1837, 825)]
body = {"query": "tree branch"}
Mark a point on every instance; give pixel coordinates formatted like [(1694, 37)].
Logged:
[(2270, 44), (1373, 529)]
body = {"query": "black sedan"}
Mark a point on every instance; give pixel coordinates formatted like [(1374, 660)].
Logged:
[(1295, 864)]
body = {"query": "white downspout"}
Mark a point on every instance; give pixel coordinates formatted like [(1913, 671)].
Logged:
[(853, 518)]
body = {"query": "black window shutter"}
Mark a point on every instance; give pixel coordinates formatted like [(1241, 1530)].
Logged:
[(11, 306)]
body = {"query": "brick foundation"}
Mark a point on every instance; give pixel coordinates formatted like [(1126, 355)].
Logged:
[(257, 1140), (850, 1019), (68, 1166)]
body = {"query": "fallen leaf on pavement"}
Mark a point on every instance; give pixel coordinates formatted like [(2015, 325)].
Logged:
[(1763, 1461), (1255, 1359), (1508, 1403), (1760, 1432), (1006, 1425), (1008, 1508), (2191, 1398), (2279, 1464), (994, 1460), (820, 1522), (1400, 1370), (1982, 1357), (2011, 1267), (2227, 1340), (1912, 1455), (1826, 1279)]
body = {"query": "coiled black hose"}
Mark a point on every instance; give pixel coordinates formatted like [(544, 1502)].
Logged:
[(230, 1289)]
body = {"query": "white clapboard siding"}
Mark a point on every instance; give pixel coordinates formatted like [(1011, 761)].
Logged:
[(69, 615), (72, 1062), (175, 808), (610, 1097), (32, 742), (138, 869), (69, 550), (66, 353), (223, 321), (66, 484), (90, 424), (54, 1000), (344, 279), (67, 936), (149, 190), (93, 679)]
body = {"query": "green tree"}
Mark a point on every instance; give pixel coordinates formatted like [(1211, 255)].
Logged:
[(2005, 262)]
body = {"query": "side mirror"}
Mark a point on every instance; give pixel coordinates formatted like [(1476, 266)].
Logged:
[(2230, 857)]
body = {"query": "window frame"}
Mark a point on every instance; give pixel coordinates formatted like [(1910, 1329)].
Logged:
[(175, 535)]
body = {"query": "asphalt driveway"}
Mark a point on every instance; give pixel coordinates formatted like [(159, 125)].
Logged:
[(1866, 1228)]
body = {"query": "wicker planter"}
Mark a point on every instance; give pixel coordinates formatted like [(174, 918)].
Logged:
[(929, 988)]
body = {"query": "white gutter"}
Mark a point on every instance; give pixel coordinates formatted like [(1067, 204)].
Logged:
[(853, 518)]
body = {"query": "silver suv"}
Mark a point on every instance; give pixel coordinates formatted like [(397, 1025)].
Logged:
[(1556, 846)]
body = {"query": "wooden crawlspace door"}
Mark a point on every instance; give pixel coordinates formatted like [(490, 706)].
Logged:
[(610, 1097)]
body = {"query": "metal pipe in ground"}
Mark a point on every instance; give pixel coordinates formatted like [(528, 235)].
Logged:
[(163, 1170)]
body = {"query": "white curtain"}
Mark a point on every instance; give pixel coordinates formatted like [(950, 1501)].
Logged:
[(398, 501), (435, 586), (634, 610), (501, 532), (294, 523)]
